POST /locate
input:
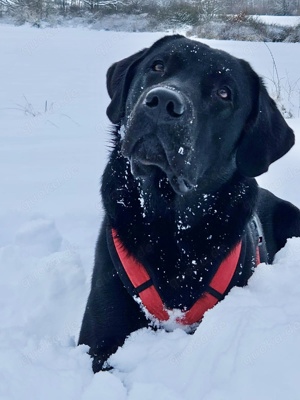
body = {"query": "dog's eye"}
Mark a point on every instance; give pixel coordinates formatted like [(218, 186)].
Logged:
[(158, 66), (224, 93)]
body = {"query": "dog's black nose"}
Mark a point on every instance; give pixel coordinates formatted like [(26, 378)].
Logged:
[(164, 102)]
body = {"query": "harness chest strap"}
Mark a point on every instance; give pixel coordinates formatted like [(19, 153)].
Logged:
[(141, 281)]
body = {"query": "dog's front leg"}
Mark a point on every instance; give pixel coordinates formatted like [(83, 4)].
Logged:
[(111, 313)]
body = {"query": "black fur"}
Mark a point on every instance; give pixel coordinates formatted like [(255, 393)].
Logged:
[(179, 187)]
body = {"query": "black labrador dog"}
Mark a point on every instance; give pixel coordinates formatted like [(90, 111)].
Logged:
[(185, 220)]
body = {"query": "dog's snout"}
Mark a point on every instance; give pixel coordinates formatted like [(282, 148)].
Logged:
[(165, 102)]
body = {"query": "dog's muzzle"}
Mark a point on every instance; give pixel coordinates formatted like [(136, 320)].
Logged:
[(157, 135)]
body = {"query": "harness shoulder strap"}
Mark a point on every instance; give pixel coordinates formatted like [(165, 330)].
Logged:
[(135, 277)]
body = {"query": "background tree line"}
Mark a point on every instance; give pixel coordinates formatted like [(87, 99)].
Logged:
[(178, 11)]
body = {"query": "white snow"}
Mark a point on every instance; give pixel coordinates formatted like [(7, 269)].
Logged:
[(279, 20), (247, 347)]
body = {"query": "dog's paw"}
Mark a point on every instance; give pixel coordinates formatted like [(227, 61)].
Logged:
[(100, 364)]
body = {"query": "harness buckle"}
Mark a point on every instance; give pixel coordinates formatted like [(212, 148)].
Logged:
[(258, 229)]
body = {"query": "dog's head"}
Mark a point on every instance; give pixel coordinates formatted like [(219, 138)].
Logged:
[(194, 115)]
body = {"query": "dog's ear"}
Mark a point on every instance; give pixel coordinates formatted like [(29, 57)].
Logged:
[(118, 79), (266, 137)]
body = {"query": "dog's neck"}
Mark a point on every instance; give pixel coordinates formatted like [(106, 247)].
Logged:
[(139, 210), (189, 210)]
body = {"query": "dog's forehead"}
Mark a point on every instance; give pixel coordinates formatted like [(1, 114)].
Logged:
[(191, 51)]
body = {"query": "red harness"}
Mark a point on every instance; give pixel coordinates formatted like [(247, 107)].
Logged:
[(151, 299)]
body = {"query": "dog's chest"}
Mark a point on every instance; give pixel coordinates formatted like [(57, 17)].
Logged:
[(178, 267)]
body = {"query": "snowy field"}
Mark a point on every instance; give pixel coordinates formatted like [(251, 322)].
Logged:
[(279, 20), (53, 148)]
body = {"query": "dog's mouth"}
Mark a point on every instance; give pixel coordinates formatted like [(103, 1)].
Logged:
[(143, 169), (149, 154), (180, 185)]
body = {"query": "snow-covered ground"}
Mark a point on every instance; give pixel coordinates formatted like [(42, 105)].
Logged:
[(279, 20), (53, 148)]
